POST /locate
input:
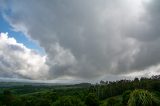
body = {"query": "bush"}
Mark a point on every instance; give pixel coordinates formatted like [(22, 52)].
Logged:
[(92, 100), (113, 102), (68, 101), (142, 98), (125, 97), (7, 98)]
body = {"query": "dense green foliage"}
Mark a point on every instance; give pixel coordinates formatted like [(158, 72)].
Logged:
[(68, 101), (137, 92), (92, 100), (125, 97), (142, 98), (113, 101)]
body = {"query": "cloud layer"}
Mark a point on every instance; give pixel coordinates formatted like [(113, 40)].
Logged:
[(90, 39), (18, 61)]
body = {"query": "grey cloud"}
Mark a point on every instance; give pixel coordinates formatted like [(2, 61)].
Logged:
[(147, 33), (146, 29), (94, 37)]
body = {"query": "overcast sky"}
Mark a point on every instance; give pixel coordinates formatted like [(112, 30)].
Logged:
[(80, 40)]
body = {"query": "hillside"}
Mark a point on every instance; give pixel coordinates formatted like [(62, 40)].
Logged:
[(106, 93)]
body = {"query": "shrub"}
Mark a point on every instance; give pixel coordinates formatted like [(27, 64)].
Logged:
[(92, 100), (68, 101), (142, 98), (113, 102), (125, 97)]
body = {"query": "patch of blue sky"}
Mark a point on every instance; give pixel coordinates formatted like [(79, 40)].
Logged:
[(19, 36)]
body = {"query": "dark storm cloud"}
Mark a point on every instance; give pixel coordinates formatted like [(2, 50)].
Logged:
[(90, 38)]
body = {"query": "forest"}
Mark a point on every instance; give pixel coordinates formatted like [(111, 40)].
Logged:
[(138, 92)]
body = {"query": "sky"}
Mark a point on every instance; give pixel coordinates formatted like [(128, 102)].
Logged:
[(77, 41)]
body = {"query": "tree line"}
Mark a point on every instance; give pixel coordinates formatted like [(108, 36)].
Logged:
[(137, 92)]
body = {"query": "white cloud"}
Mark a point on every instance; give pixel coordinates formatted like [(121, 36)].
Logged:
[(16, 60), (148, 72)]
